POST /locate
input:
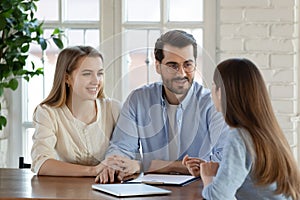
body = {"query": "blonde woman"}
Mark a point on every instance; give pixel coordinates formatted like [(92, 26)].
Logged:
[(73, 125)]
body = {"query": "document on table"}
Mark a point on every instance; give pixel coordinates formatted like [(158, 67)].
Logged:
[(164, 179)]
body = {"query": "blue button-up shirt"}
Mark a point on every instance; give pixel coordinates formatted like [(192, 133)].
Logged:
[(142, 129)]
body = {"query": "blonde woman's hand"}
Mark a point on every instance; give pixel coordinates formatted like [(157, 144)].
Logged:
[(192, 164)]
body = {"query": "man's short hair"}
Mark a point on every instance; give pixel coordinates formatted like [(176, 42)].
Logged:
[(176, 38)]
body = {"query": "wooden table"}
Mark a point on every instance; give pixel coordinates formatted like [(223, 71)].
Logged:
[(23, 184)]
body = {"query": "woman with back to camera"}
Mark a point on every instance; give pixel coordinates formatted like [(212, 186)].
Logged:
[(73, 125), (257, 160)]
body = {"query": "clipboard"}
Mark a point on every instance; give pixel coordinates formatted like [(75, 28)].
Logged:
[(164, 179)]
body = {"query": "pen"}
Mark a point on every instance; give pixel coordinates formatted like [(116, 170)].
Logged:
[(127, 180), (153, 182)]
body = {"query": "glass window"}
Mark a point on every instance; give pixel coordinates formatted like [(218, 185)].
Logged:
[(198, 35), (142, 10), (43, 8), (34, 89), (139, 48), (132, 50), (79, 10), (76, 33), (27, 144), (92, 37), (39, 86), (75, 36), (182, 10)]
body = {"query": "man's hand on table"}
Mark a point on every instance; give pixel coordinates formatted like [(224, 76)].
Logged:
[(117, 168)]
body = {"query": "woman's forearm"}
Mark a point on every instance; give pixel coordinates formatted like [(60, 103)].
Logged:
[(53, 167)]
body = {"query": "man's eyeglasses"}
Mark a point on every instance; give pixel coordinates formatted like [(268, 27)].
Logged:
[(173, 67)]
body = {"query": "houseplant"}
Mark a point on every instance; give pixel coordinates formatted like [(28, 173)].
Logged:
[(19, 28)]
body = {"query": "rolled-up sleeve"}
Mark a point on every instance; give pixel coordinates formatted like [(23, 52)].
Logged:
[(125, 139), (234, 168)]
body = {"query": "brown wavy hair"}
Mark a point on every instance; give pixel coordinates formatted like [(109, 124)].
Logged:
[(66, 63), (246, 104)]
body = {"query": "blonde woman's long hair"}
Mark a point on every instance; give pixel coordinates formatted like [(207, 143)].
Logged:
[(246, 105), (66, 63)]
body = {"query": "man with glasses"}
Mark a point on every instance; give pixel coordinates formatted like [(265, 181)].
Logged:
[(162, 122)]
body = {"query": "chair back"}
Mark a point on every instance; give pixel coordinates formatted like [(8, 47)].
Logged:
[(23, 165)]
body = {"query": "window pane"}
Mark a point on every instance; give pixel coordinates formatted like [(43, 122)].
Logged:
[(142, 10), (28, 144), (3, 153), (92, 38), (139, 44), (47, 10), (49, 69), (198, 35), (35, 88), (39, 86), (87, 10), (75, 37), (83, 37), (180, 10)]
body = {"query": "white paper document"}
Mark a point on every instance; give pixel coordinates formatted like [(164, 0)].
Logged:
[(164, 179)]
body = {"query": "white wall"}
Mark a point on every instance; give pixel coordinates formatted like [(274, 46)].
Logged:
[(267, 32)]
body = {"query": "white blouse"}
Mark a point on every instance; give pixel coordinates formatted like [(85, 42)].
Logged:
[(59, 135)]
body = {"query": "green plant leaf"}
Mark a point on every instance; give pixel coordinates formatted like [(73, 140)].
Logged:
[(26, 78), (43, 43), (33, 65), (13, 84), (56, 31), (39, 28), (34, 7), (58, 43), (2, 22), (21, 72), (6, 5), (3, 121), (25, 48), (40, 71), (1, 90)]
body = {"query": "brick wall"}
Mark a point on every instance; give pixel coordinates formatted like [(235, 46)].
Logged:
[(266, 31)]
